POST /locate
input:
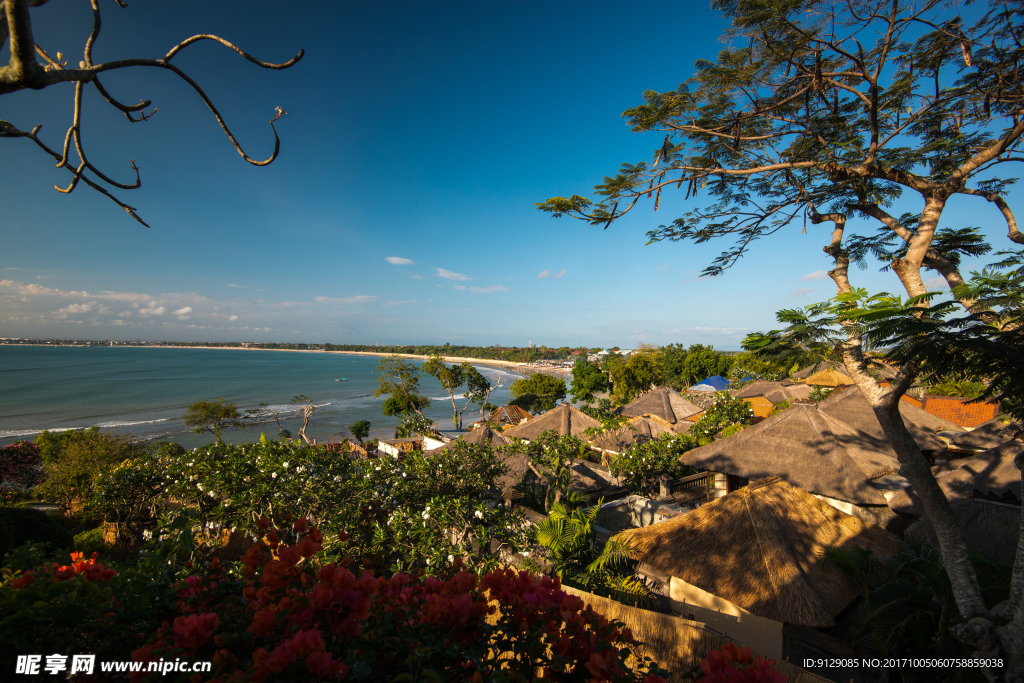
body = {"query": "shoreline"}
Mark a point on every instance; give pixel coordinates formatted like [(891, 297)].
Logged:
[(523, 369)]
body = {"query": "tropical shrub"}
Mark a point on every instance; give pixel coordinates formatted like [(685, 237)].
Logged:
[(733, 429), (819, 394), (429, 506), (641, 465), (73, 460), (20, 470), (725, 411), (733, 664), (124, 495), (551, 457), (24, 525), (287, 613)]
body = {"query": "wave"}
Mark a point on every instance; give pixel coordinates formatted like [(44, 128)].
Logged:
[(446, 398), (14, 433), (130, 423)]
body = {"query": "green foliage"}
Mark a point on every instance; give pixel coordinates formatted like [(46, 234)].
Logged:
[(124, 494), (25, 525), (724, 412), (587, 380), (819, 393), (360, 429), (965, 388), (78, 458), (90, 541), (414, 425), (212, 416), (641, 372), (733, 429), (20, 471), (642, 464), (546, 392), (702, 362), (909, 604), (576, 559), (399, 380), (551, 457)]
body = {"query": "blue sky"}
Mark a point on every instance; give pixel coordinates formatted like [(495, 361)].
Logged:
[(418, 138)]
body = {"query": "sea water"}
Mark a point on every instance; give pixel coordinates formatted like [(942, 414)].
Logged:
[(143, 392)]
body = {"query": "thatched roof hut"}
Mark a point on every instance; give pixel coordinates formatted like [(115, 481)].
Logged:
[(987, 435), (992, 474), (804, 373), (563, 420), (807, 448), (850, 406), (481, 436), (510, 415), (776, 392), (829, 378), (639, 430), (759, 548), (661, 402)]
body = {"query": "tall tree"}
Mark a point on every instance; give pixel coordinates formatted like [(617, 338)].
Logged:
[(212, 417), (539, 392), (451, 378), (400, 381), (587, 380), (641, 372), (827, 113), (23, 71)]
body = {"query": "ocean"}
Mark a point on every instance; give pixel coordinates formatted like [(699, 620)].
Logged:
[(142, 392)]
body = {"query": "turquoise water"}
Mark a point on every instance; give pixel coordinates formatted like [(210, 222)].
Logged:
[(143, 392)]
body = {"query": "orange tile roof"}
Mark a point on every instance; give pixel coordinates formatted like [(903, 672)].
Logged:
[(958, 409), (761, 406)]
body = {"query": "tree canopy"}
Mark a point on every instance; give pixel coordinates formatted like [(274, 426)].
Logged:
[(541, 392), (828, 113)]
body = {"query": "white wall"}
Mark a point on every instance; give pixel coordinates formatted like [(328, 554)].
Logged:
[(725, 617)]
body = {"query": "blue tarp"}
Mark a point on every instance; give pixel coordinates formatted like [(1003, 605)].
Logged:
[(713, 383)]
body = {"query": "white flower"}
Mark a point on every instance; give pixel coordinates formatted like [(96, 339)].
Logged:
[(479, 514), (284, 465), (428, 562), (199, 486), (451, 558), (273, 475)]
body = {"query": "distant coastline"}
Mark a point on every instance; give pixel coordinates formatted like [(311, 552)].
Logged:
[(522, 368)]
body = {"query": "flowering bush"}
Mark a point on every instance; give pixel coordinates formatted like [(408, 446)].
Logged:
[(425, 508), (732, 664), (124, 495), (725, 411), (20, 470), (291, 618), (640, 466)]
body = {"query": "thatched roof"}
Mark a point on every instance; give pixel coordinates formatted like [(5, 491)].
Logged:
[(759, 548), (661, 402), (829, 378), (564, 420), (776, 392), (804, 373), (512, 415), (992, 473), (481, 436), (986, 435), (989, 528), (850, 406), (639, 430), (808, 449)]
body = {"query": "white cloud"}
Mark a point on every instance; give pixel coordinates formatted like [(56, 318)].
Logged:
[(665, 330), (399, 303), (416, 277), (721, 330), (458, 286), (664, 268), (238, 286), (544, 273), (233, 318), (556, 275), (441, 272), (14, 268), (360, 299), (488, 290), (42, 277), (936, 283), (152, 309), (802, 292), (183, 311), (816, 275), (77, 308), (399, 261), (124, 314)]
